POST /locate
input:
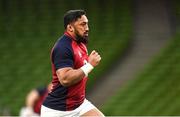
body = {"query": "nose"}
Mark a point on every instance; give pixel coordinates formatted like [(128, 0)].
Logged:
[(87, 28)]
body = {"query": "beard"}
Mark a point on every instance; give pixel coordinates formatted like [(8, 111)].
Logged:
[(81, 39)]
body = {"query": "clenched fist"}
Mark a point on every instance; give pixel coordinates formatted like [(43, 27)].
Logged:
[(94, 58)]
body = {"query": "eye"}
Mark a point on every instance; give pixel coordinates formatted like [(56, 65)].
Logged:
[(84, 24)]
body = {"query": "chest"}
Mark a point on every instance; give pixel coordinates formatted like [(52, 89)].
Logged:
[(80, 55)]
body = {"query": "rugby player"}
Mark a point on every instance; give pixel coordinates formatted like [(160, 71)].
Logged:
[(71, 65)]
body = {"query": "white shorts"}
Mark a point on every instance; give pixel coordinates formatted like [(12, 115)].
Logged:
[(83, 108), (28, 112)]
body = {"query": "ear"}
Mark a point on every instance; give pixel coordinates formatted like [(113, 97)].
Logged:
[(70, 28)]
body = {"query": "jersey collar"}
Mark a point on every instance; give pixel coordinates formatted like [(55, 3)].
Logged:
[(69, 35)]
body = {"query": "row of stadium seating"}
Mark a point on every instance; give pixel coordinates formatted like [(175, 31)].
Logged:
[(28, 30), (155, 91)]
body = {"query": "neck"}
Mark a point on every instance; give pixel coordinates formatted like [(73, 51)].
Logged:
[(70, 34)]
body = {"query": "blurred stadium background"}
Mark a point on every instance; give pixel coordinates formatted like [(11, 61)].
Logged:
[(29, 28)]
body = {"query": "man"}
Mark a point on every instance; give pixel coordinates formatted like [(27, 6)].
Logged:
[(34, 101), (70, 67)]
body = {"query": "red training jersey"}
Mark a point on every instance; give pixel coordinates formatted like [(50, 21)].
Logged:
[(67, 53)]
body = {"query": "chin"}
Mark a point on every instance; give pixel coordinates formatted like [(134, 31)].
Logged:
[(86, 39)]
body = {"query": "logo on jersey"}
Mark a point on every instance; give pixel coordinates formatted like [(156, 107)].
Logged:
[(80, 55)]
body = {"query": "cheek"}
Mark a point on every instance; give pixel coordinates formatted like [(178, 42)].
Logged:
[(80, 31)]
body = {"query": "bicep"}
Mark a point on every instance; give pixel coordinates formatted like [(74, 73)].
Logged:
[(62, 72), (64, 75)]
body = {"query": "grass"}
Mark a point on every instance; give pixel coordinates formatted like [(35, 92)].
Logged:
[(155, 91)]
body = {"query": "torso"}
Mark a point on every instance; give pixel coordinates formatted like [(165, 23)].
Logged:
[(67, 98)]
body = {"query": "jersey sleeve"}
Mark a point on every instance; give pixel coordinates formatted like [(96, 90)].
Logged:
[(62, 56), (41, 90)]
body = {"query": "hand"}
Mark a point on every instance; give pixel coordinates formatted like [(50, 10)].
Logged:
[(94, 58)]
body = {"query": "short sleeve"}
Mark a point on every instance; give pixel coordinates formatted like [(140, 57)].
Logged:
[(41, 90), (62, 56)]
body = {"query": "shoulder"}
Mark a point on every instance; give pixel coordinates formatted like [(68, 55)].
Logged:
[(41, 90), (64, 43)]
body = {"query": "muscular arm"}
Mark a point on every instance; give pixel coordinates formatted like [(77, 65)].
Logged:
[(69, 76)]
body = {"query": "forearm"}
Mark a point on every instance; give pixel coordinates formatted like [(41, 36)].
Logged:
[(31, 98)]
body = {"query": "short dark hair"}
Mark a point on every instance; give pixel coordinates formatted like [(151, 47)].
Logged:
[(72, 15)]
